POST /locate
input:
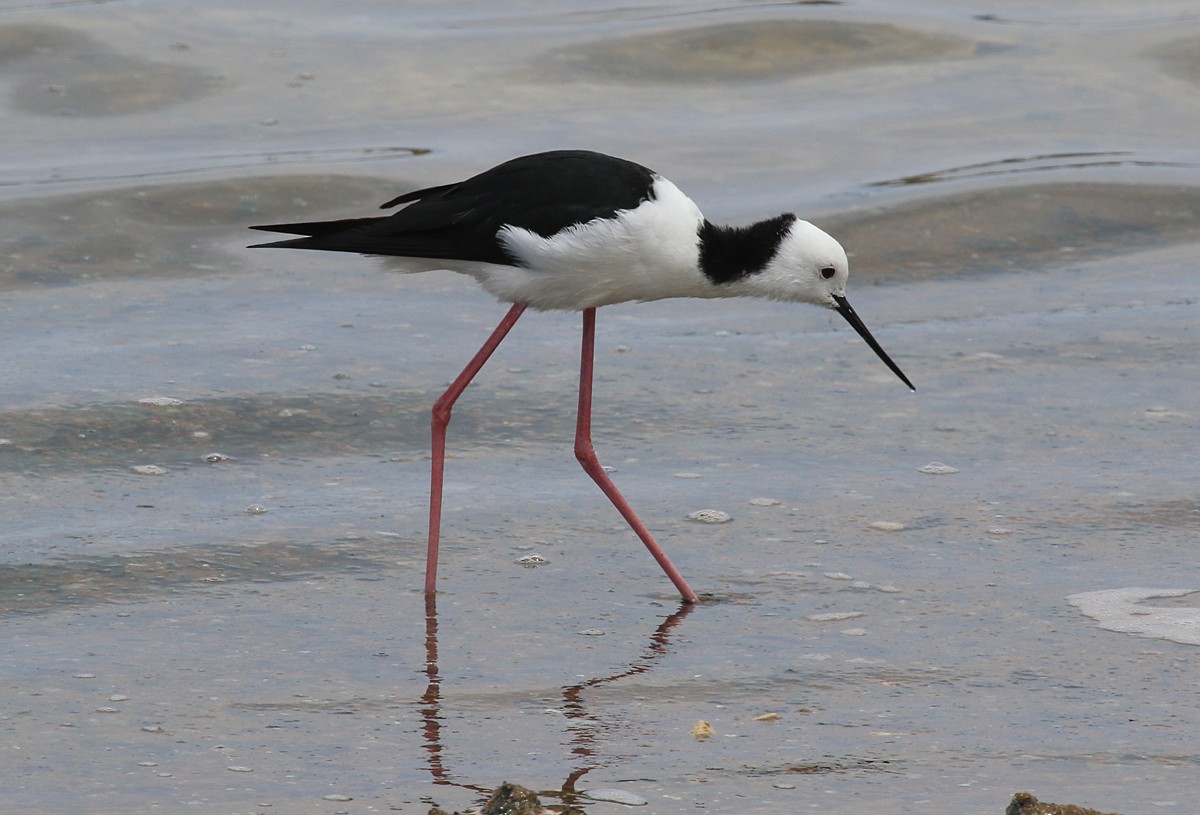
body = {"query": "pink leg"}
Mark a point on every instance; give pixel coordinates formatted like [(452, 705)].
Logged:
[(586, 453), (441, 418)]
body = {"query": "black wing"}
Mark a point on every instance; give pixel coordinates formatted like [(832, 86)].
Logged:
[(544, 193)]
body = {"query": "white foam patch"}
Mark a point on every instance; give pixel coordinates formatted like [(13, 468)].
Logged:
[(1124, 610)]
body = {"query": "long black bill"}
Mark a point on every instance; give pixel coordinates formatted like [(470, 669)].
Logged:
[(843, 308)]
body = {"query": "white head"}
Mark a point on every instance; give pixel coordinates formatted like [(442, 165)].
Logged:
[(808, 266)]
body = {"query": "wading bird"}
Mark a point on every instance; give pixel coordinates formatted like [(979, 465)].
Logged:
[(575, 230)]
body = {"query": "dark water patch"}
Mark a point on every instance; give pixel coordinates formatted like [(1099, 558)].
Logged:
[(1173, 514), (844, 676), (1028, 164), (1014, 228), (18, 42), (798, 684), (209, 165), (762, 49), (41, 587), (832, 765), (60, 71), (161, 231), (335, 706), (239, 430), (1081, 524), (1115, 758), (1180, 58)]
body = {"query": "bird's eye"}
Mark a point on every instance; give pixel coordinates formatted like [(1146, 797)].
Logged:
[(828, 272)]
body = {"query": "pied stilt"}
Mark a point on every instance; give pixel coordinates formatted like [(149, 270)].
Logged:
[(574, 230)]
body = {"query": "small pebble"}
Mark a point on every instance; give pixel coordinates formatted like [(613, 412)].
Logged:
[(160, 401), (764, 502), (702, 730), (255, 509), (237, 769), (688, 475), (937, 468), (835, 616), (216, 458), (149, 469), (531, 560), (888, 526), (710, 516), (592, 632), (615, 797), (336, 797)]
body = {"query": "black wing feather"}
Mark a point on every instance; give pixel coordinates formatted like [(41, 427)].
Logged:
[(544, 193)]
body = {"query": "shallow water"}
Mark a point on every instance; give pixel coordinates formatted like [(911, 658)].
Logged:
[(244, 632)]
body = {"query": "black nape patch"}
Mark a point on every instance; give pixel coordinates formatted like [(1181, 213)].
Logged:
[(729, 253)]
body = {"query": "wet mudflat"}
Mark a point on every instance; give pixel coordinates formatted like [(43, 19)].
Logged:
[(214, 461)]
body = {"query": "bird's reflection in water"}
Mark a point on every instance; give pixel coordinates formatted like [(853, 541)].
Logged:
[(586, 728)]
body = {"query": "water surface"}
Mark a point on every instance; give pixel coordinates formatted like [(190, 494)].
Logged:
[(215, 466)]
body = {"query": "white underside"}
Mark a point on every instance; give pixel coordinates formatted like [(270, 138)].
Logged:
[(650, 252)]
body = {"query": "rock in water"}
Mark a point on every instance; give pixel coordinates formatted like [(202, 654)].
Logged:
[(1025, 804)]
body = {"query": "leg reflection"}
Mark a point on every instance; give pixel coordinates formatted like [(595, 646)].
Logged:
[(587, 730)]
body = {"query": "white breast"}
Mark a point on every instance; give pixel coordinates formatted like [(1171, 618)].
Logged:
[(646, 253)]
